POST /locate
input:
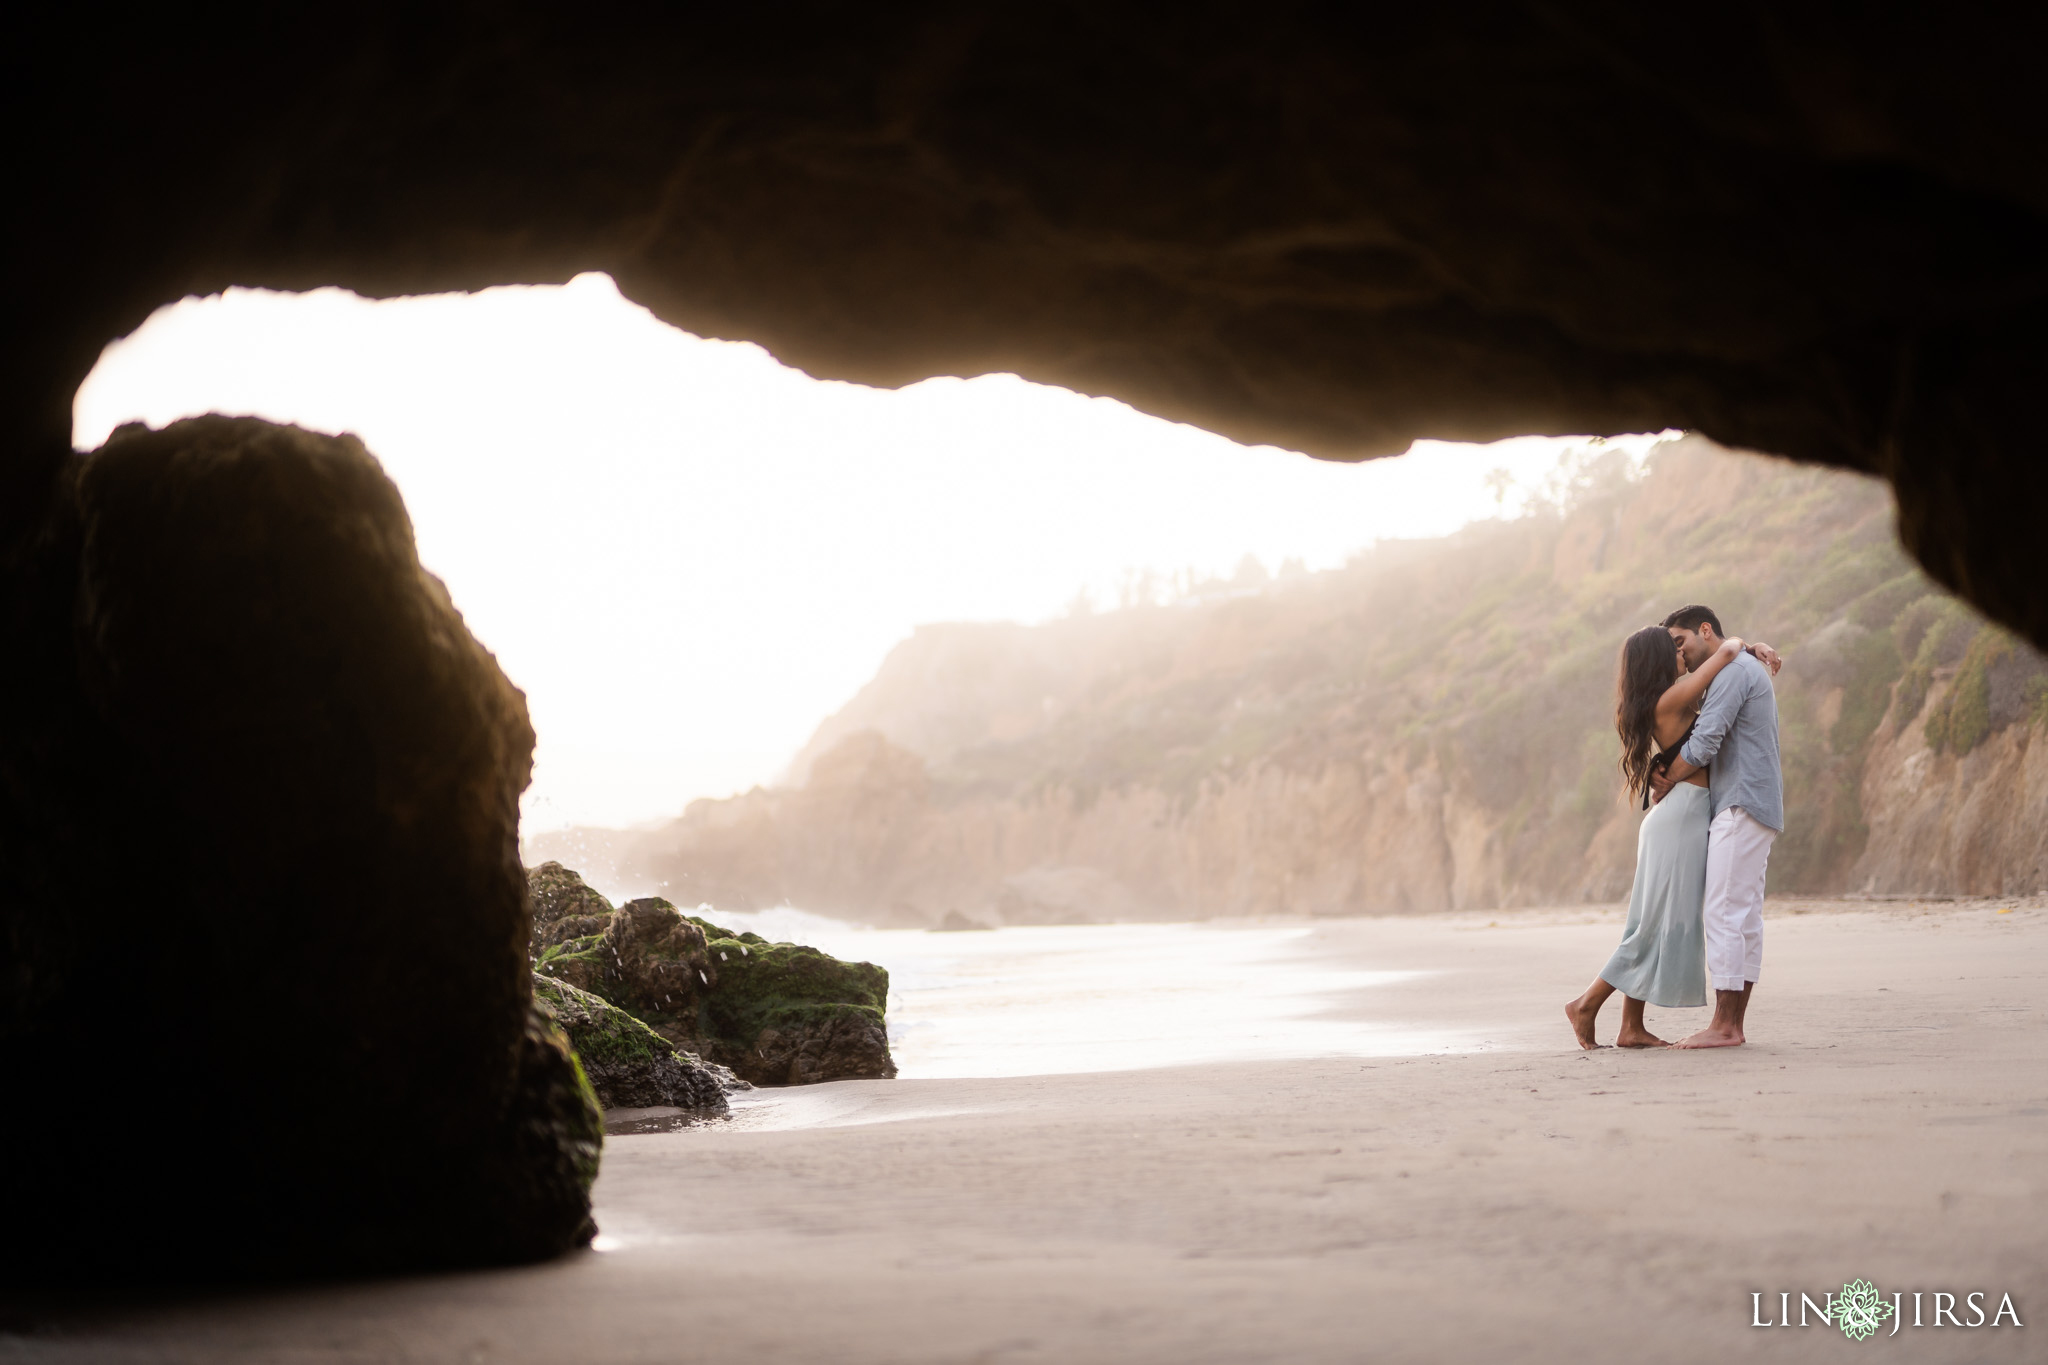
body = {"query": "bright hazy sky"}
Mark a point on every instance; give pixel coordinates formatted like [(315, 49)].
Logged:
[(688, 554)]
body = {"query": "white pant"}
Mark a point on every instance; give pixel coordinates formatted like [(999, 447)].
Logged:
[(1738, 849)]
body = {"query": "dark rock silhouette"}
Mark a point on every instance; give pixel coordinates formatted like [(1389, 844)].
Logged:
[(260, 840), (774, 1013), (1796, 231)]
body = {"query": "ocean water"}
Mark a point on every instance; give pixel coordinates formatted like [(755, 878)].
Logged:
[(1108, 997)]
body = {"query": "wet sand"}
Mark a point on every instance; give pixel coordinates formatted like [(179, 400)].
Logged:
[(1520, 1201)]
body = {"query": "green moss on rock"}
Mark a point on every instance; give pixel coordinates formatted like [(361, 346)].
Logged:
[(629, 1064), (580, 962), (647, 977), (561, 1110), (786, 1014), (655, 964), (564, 906)]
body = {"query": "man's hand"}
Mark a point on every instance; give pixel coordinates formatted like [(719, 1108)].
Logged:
[(1768, 657), (1662, 780)]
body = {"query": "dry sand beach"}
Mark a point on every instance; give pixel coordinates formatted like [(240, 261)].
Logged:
[(1518, 1201)]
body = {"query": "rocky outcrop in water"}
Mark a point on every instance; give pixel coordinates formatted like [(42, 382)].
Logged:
[(259, 788), (785, 1014), (774, 1013)]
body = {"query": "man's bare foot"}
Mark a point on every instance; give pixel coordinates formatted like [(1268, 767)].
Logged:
[(1638, 1037), (1582, 1023), (1713, 1035)]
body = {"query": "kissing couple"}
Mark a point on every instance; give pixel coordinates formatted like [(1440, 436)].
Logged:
[(1698, 720)]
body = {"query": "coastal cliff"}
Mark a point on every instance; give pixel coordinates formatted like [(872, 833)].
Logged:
[(1426, 728)]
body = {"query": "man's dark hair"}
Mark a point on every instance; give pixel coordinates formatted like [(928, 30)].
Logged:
[(1689, 618)]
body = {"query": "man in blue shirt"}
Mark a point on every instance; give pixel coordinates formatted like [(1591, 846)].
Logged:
[(1736, 737)]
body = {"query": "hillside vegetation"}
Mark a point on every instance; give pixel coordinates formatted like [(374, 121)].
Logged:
[(1426, 728)]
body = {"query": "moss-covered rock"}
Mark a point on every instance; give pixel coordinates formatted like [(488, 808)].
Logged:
[(564, 907), (659, 966), (558, 1118), (785, 1014), (774, 1013), (578, 961), (628, 1064), (644, 957)]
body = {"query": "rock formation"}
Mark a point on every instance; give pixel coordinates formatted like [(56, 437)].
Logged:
[(628, 1064), (564, 907), (1426, 729), (1331, 230), (260, 838), (774, 1013), (784, 1014), (1966, 815)]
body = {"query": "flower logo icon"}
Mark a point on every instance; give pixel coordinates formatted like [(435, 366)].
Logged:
[(1859, 1310)]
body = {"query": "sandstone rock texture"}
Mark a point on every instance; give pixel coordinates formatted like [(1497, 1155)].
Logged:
[(259, 835), (773, 1013), (1973, 823)]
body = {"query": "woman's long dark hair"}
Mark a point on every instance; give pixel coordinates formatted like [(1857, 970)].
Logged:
[(1647, 668)]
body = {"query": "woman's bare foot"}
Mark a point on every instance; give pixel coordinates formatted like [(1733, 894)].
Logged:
[(1638, 1037), (1713, 1035), (1582, 1016)]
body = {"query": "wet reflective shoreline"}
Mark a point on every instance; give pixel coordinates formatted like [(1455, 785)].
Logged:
[(659, 1119), (1063, 999)]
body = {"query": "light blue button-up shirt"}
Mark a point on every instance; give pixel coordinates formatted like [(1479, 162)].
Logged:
[(1737, 738)]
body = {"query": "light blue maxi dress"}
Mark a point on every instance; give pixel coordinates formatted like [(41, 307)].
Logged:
[(1663, 952)]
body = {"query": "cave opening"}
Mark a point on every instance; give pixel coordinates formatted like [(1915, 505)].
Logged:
[(614, 502), (261, 782)]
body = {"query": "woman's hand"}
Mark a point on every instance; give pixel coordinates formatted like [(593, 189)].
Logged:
[(1767, 656)]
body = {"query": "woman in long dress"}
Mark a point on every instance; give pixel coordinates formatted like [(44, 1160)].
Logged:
[(1662, 959)]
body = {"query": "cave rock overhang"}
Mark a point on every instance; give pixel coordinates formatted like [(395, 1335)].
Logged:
[(1336, 235)]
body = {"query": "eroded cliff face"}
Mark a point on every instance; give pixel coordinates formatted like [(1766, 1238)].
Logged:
[(1971, 824), (1266, 841), (1426, 729)]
